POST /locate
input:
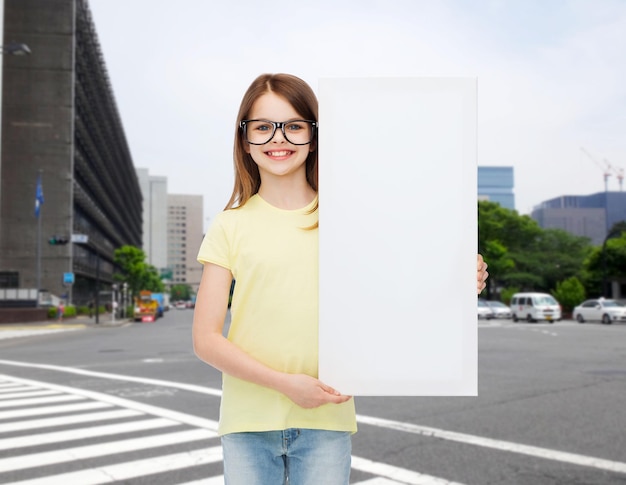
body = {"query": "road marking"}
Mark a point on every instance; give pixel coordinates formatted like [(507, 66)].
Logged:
[(26, 393), (378, 481), (118, 401), (575, 459), (133, 469), (22, 413), (545, 453), (402, 475), (122, 470), (47, 326), (216, 480), (11, 387), (105, 375), (102, 449), (65, 420), (12, 403), (81, 433), (7, 334)]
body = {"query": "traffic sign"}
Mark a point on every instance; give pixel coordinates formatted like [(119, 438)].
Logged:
[(80, 238), (68, 278)]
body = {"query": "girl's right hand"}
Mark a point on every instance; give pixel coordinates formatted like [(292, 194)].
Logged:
[(309, 392)]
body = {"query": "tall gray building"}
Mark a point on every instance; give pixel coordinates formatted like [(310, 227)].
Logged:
[(60, 121), (185, 232)]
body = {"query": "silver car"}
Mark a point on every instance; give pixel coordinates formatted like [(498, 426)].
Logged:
[(484, 310), (499, 309), (600, 310)]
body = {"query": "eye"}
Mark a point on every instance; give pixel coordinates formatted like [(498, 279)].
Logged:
[(295, 126), (262, 127)]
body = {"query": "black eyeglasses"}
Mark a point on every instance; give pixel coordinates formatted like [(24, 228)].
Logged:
[(296, 132)]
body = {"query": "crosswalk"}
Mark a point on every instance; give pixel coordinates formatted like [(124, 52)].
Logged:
[(52, 434)]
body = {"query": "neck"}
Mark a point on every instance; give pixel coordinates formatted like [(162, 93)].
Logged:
[(288, 195)]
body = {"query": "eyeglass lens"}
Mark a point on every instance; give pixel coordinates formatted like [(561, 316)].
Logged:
[(297, 132)]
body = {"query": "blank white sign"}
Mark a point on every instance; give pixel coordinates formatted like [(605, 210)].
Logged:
[(398, 236)]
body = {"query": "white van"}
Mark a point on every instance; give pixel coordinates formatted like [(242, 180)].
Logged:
[(533, 307)]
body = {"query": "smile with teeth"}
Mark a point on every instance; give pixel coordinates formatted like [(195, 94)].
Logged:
[(279, 153)]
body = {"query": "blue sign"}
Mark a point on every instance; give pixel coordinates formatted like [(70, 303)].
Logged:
[(68, 278)]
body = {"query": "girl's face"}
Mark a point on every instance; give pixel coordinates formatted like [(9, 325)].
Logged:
[(278, 157)]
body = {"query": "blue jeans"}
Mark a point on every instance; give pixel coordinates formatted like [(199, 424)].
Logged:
[(293, 456)]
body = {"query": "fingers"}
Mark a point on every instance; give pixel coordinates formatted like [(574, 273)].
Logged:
[(482, 274), (480, 263), (334, 395), (329, 389)]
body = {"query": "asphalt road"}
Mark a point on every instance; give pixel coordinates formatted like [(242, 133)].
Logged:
[(131, 404)]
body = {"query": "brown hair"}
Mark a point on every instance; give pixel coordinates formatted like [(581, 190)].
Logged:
[(300, 95)]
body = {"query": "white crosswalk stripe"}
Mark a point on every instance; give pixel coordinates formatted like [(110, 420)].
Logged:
[(67, 420), (61, 436), (31, 393), (133, 469), (53, 420)]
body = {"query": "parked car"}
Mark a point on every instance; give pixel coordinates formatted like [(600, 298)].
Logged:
[(602, 310), (484, 311), (533, 307), (499, 309)]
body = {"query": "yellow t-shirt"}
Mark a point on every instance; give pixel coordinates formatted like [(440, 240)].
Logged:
[(274, 313)]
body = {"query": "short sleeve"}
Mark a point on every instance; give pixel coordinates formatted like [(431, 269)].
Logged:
[(215, 247)]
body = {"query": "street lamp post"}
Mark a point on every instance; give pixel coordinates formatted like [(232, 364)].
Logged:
[(15, 49)]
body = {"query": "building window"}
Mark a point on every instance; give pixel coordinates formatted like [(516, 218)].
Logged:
[(9, 279)]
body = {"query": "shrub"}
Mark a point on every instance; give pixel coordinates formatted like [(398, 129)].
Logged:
[(507, 293), (569, 293)]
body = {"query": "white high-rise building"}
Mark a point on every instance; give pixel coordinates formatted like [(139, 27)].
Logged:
[(154, 192)]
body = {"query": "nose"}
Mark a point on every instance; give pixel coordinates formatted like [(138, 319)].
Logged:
[(280, 133)]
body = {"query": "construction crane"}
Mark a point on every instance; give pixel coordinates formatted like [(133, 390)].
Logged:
[(619, 174), (606, 167)]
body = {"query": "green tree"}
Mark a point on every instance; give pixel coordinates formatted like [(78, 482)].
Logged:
[(606, 261), (135, 271), (559, 255), (180, 292), (522, 255), (569, 293), (502, 237)]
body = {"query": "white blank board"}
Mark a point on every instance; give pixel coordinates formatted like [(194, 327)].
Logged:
[(398, 236)]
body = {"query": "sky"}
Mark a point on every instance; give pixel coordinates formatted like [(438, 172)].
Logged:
[(551, 78)]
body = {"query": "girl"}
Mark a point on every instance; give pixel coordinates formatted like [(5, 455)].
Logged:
[(278, 422)]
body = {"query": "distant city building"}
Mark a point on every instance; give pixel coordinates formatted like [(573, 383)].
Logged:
[(185, 232), (496, 185), (60, 121), (590, 216), (155, 218)]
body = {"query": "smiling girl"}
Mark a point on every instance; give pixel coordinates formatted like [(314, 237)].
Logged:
[(278, 421)]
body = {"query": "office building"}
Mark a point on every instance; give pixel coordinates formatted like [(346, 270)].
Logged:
[(185, 233), (60, 122), (589, 216), (496, 185)]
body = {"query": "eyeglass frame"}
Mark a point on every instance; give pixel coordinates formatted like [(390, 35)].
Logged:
[(281, 125)]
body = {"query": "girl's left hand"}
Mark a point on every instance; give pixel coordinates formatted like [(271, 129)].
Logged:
[(481, 274)]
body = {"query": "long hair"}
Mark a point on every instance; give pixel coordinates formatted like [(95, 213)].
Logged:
[(300, 95)]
